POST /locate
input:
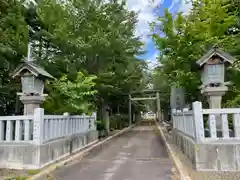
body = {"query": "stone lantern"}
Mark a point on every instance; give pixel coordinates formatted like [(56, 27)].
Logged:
[(214, 86), (32, 81)]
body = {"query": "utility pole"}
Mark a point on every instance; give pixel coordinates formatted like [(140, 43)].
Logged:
[(130, 110), (158, 107)]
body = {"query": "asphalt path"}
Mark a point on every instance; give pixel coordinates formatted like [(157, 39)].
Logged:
[(139, 154)]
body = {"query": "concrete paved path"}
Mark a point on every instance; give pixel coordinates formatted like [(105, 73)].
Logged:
[(137, 155)]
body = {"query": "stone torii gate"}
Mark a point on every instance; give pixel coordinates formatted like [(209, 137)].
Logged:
[(156, 97)]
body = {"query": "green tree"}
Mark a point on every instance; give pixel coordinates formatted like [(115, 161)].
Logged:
[(13, 38), (71, 96), (187, 38), (95, 38)]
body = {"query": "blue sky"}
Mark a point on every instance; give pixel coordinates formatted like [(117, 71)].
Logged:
[(148, 9)]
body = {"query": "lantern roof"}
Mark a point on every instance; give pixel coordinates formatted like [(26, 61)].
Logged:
[(216, 52), (35, 69), (30, 66)]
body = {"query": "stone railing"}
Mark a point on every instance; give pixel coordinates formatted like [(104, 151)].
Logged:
[(191, 123), (32, 142), (57, 126), (223, 117), (210, 146), (16, 128), (183, 121), (40, 128)]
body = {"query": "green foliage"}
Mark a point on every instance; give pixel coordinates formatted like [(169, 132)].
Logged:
[(32, 172), (187, 37), (71, 96), (119, 121), (93, 37), (13, 38), (17, 178), (100, 126), (235, 101)]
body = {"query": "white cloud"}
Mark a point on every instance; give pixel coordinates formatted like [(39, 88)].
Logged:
[(152, 61), (173, 5), (185, 7), (145, 9), (145, 15)]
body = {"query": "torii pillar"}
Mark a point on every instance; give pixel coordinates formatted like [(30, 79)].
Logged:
[(158, 107)]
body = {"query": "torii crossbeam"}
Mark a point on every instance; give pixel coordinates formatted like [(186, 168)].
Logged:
[(157, 98)]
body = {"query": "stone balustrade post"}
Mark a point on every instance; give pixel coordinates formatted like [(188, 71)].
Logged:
[(38, 126), (198, 121), (173, 119), (67, 123), (93, 121)]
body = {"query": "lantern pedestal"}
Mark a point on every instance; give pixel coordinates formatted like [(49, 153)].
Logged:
[(214, 96), (31, 102)]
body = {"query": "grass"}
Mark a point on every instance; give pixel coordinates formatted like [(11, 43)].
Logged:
[(17, 178), (22, 177), (48, 177), (33, 172)]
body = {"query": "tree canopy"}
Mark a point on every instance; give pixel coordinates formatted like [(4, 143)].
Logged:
[(89, 46), (182, 39)]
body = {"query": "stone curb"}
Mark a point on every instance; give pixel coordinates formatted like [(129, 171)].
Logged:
[(176, 160), (80, 154)]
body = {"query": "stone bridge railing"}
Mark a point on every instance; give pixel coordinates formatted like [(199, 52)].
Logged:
[(209, 148), (192, 123), (31, 142), (183, 121)]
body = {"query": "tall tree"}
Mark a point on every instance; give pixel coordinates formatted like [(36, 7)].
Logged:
[(13, 38), (187, 38), (78, 37)]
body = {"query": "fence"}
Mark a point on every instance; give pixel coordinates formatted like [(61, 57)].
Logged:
[(183, 121), (32, 142), (40, 128), (191, 123)]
